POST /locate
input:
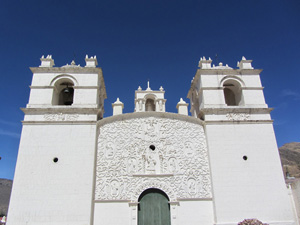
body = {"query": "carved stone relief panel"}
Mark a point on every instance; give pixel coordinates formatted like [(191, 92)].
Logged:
[(238, 116), (60, 117), (136, 154)]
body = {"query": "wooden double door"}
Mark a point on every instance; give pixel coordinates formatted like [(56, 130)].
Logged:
[(154, 208)]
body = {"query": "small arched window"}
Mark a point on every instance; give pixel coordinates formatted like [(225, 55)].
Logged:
[(150, 105), (63, 93), (232, 93)]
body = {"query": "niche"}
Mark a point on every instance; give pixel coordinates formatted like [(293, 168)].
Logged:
[(232, 93), (63, 92), (150, 105)]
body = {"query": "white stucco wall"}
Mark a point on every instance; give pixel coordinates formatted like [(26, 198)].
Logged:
[(195, 212), (112, 213), (45, 192), (252, 188)]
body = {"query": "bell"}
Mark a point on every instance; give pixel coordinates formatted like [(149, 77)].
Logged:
[(66, 90)]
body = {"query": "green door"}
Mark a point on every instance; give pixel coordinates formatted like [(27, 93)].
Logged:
[(153, 208)]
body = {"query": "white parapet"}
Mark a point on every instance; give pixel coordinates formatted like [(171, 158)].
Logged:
[(47, 62), (91, 62), (245, 64), (204, 63)]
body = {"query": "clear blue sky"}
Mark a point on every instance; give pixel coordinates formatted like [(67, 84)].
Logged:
[(139, 40)]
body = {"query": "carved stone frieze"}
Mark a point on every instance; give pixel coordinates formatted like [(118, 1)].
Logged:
[(126, 165), (238, 116), (61, 117)]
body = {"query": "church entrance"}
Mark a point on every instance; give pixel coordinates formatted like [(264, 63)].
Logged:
[(153, 208)]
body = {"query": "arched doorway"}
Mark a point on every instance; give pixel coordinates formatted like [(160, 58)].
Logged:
[(153, 208)]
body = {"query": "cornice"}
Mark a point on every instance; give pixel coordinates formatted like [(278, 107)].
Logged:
[(218, 122), (89, 122), (62, 109), (66, 70), (75, 87), (229, 71), (236, 110)]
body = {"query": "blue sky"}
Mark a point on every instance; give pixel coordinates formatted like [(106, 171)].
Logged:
[(160, 40)]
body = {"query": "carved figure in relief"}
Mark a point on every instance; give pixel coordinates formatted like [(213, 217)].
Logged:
[(131, 165), (172, 165), (114, 188), (160, 105), (151, 163), (192, 188), (188, 149), (109, 150)]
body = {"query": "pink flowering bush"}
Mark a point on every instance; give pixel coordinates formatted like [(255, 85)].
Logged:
[(251, 222)]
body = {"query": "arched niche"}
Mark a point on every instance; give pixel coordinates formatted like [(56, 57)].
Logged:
[(63, 92), (150, 103), (154, 208), (232, 92)]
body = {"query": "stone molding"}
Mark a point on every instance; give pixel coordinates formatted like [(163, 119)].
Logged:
[(236, 109), (218, 122), (229, 71), (238, 116), (59, 70), (150, 114), (75, 87), (61, 109), (82, 122), (61, 117)]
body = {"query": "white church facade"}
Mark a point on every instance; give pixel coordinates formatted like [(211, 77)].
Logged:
[(218, 166)]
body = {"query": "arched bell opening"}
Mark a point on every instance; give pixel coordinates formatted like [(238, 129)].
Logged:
[(150, 105), (63, 92), (232, 93), (154, 208)]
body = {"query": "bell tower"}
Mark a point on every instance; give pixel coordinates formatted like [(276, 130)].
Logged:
[(150, 100), (243, 153), (57, 148)]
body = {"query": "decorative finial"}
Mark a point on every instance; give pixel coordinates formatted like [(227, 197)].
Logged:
[(86, 56), (139, 88), (161, 88), (73, 62), (148, 84), (243, 58)]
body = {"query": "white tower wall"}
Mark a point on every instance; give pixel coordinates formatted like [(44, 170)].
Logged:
[(49, 192), (54, 176), (252, 188), (247, 178)]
